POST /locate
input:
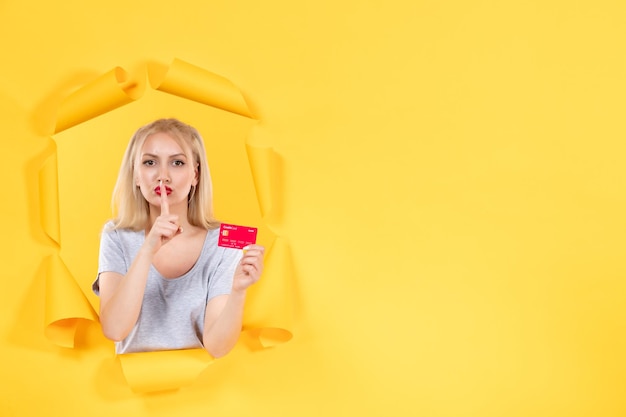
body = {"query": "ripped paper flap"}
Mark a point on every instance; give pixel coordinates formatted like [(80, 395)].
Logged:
[(163, 370), (66, 306)]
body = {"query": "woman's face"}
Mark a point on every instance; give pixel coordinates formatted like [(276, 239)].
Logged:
[(161, 158)]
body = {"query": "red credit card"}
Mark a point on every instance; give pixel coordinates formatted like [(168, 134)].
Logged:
[(233, 236)]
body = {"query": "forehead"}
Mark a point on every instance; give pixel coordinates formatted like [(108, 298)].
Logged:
[(163, 143)]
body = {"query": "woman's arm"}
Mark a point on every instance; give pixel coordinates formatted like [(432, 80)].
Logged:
[(224, 314), (121, 296)]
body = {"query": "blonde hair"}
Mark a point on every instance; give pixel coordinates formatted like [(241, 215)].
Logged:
[(130, 208)]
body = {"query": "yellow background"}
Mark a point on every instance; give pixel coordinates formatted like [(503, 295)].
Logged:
[(453, 198)]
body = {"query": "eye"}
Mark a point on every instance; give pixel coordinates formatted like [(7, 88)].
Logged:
[(149, 162), (178, 163)]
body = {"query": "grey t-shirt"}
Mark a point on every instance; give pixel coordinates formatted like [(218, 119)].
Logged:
[(172, 312)]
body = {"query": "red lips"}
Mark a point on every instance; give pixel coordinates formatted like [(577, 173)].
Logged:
[(168, 190)]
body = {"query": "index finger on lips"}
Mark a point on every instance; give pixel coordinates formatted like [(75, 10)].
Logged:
[(165, 206)]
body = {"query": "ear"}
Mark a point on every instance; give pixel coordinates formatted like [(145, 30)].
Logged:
[(196, 175)]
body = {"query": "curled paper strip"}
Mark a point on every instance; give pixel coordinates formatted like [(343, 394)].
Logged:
[(268, 312), (261, 165), (66, 306), (277, 279), (266, 174), (106, 93), (197, 84), (49, 198), (163, 370)]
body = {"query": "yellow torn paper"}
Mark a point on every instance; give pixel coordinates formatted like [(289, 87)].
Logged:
[(267, 175), (194, 83), (269, 311), (193, 93), (49, 198), (163, 370), (66, 305), (106, 93), (261, 166)]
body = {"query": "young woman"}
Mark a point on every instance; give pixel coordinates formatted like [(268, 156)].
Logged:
[(163, 281)]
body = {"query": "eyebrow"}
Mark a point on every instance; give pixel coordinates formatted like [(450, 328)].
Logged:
[(151, 155)]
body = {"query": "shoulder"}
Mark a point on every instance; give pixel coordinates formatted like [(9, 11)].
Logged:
[(111, 232), (111, 226)]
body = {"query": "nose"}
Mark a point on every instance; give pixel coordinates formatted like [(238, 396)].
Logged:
[(164, 174)]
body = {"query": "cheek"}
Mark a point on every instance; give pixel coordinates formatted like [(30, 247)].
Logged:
[(189, 177), (145, 173), (143, 179)]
